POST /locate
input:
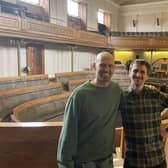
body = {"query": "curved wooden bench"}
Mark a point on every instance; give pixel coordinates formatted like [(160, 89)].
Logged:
[(64, 77), (123, 81), (72, 84), (125, 78), (120, 72), (11, 98), (42, 109), (22, 81), (120, 66)]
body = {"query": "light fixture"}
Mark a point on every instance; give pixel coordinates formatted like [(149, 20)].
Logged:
[(134, 23), (158, 21)]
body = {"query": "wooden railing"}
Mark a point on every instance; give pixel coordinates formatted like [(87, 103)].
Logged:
[(15, 26), (143, 43)]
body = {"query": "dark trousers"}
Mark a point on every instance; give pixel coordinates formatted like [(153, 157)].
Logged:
[(162, 165), (101, 163)]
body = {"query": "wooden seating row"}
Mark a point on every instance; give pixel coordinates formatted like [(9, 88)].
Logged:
[(72, 84), (64, 77), (22, 81), (23, 103), (41, 109), (35, 144), (123, 81), (70, 80), (13, 97), (120, 67), (52, 107), (120, 72), (160, 83)]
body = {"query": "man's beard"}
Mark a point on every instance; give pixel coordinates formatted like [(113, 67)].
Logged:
[(105, 77)]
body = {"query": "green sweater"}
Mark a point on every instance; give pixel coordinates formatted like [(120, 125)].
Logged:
[(89, 122)]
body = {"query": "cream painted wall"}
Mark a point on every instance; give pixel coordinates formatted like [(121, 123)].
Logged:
[(59, 60), (9, 58), (145, 15), (8, 63), (83, 60)]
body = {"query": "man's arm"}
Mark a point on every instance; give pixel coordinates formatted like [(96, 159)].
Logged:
[(67, 144), (164, 114)]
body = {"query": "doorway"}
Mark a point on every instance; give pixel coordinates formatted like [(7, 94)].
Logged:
[(35, 59)]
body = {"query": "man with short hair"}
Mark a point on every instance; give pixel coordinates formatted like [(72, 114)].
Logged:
[(141, 109), (87, 136)]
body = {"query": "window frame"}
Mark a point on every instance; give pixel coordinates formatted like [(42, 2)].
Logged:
[(32, 3)]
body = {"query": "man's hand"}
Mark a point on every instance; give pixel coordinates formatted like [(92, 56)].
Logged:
[(152, 87)]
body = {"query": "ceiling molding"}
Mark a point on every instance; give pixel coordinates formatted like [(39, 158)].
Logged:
[(137, 2), (113, 3)]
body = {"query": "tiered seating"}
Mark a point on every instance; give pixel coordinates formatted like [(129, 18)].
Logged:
[(41, 109), (44, 102), (123, 81), (50, 108), (159, 83), (120, 69), (13, 97), (22, 81), (121, 76), (71, 80), (64, 77), (72, 84)]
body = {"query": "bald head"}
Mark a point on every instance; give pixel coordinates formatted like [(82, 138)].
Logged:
[(104, 68), (104, 56)]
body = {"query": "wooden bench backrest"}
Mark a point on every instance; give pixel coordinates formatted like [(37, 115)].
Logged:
[(120, 72), (29, 145), (41, 109), (64, 77), (123, 81), (72, 84), (12, 98), (120, 66), (34, 144), (22, 81), (119, 142)]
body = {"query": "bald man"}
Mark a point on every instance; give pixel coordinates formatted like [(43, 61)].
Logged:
[(87, 137)]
